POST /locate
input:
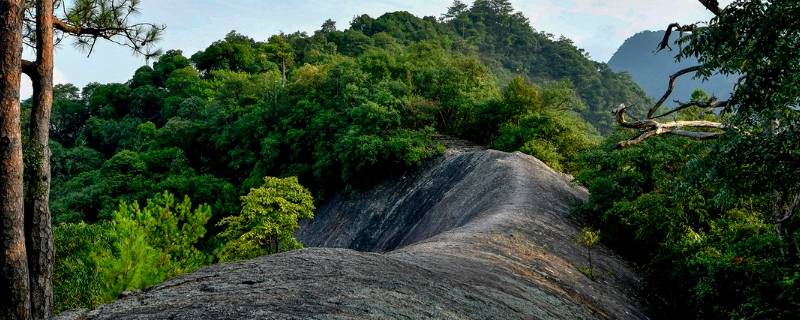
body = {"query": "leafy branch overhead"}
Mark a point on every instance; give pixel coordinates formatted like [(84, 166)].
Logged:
[(88, 21)]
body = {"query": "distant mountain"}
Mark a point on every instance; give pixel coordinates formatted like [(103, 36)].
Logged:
[(651, 70)]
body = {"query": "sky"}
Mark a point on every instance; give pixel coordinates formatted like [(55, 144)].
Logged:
[(598, 26)]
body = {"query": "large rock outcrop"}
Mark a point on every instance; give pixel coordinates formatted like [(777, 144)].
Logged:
[(476, 234)]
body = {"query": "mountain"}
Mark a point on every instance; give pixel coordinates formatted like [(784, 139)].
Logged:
[(474, 234), (651, 70)]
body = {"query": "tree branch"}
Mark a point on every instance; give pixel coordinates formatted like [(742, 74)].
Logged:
[(137, 37), (711, 104), (637, 140), (699, 135), (65, 27), (29, 68), (691, 124), (664, 44), (712, 5), (650, 128), (670, 87)]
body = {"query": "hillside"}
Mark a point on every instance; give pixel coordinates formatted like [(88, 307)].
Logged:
[(477, 234), (651, 69), (507, 42)]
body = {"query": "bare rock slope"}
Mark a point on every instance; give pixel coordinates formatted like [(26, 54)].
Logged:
[(476, 234)]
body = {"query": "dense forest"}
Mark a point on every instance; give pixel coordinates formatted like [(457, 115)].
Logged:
[(218, 155)]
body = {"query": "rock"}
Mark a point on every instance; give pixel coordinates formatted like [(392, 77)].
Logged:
[(476, 234)]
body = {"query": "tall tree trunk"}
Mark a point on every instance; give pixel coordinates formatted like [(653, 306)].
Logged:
[(14, 296), (283, 68), (38, 225)]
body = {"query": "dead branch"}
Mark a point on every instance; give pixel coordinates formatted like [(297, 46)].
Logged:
[(650, 127), (664, 44), (670, 87), (705, 105)]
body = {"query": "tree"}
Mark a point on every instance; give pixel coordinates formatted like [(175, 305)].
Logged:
[(236, 53), (588, 238), (86, 21), (457, 15), (328, 26), (14, 282), (455, 10), (268, 220), (280, 50)]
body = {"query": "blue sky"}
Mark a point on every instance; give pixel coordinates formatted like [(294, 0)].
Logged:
[(599, 26)]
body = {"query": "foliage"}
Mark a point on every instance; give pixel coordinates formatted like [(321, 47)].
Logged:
[(708, 252), (762, 51), (509, 46), (151, 244), (140, 247), (76, 281), (542, 122), (268, 220), (132, 176)]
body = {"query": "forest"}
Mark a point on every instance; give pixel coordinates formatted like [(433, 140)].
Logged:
[(219, 155)]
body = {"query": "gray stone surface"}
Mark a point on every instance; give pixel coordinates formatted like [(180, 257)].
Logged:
[(476, 234)]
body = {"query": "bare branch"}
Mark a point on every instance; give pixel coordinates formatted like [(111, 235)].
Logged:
[(711, 104), (649, 128), (664, 44), (699, 135), (65, 27), (670, 87), (619, 113), (637, 140), (691, 124)]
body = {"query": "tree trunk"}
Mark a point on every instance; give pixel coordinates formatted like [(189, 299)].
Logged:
[(283, 69), (39, 231), (14, 296)]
